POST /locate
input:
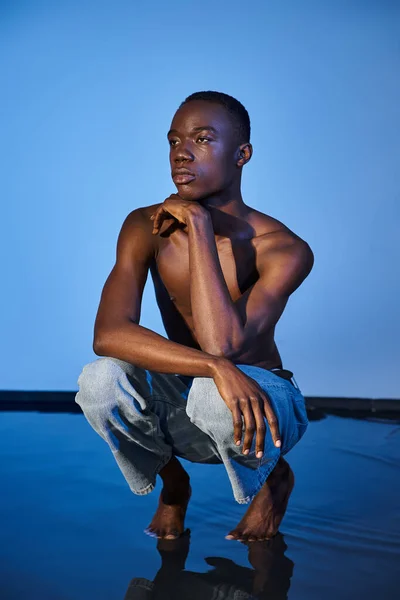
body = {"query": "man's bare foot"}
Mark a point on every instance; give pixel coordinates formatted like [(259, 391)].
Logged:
[(168, 521), (264, 515)]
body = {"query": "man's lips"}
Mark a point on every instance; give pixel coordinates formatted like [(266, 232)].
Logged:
[(182, 178)]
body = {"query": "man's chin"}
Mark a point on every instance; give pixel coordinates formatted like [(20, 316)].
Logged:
[(191, 195)]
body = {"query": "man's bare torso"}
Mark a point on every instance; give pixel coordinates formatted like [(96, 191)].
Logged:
[(239, 256)]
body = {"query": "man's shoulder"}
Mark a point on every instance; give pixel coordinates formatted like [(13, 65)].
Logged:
[(137, 227), (142, 212), (147, 211), (275, 238), (273, 231), (139, 219)]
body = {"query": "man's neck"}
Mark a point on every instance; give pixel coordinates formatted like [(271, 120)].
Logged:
[(229, 219), (228, 211)]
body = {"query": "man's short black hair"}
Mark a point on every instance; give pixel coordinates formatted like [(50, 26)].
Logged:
[(240, 116)]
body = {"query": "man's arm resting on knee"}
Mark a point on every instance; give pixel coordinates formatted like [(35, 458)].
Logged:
[(147, 349)]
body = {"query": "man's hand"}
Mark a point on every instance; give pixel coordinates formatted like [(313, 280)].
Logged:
[(176, 208), (243, 396)]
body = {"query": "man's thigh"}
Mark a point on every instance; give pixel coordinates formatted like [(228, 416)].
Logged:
[(165, 395)]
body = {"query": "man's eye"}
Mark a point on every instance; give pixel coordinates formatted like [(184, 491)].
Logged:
[(204, 138), (171, 142)]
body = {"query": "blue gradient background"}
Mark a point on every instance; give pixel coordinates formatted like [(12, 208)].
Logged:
[(88, 93)]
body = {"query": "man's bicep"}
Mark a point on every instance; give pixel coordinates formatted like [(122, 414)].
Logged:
[(259, 310), (122, 293), (261, 306), (135, 244)]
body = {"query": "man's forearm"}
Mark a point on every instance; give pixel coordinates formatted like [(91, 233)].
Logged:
[(216, 321), (140, 346)]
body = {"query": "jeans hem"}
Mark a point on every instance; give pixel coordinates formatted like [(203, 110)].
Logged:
[(149, 488), (145, 490), (250, 497)]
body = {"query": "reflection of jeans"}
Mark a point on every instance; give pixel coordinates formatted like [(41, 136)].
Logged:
[(187, 584), (146, 417)]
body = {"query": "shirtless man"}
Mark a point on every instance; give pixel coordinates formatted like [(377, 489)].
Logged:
[(222, 274)]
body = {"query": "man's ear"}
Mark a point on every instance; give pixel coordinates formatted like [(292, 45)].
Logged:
[(244, 154)]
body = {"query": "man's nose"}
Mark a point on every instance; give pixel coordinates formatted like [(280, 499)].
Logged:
[(183, 153)]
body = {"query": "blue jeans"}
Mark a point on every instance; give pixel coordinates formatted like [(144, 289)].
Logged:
[(146, 417)]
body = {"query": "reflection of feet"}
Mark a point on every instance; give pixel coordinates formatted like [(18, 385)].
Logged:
[(271, 575), (272, 569), (261, 554), (173, 554), (168, 521), (265, 513)]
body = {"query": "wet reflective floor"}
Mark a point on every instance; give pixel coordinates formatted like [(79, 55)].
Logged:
[(72, 530)]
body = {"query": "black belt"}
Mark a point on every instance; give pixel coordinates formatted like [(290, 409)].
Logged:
[(284, 373)]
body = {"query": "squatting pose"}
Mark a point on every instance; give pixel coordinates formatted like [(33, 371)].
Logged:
[(215, 391)]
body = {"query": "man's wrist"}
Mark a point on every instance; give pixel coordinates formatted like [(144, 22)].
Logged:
[(217, 363), (198, 213)]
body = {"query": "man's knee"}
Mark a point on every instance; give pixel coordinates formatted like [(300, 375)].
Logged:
[(207, 409), (96, 383), (98, 375)]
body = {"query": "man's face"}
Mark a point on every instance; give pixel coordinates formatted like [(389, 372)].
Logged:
[(202, 141)]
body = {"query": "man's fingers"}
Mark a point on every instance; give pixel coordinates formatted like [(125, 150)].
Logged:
[(260, 428), (237, 424), (154, 218), (273, 423), (159, 217), (157, 220), (250, 427)]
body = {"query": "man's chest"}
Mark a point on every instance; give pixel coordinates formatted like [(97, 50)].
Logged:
[(238, 261)]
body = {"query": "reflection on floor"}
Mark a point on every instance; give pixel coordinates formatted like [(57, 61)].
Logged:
[(71, 528), (269, 577)]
